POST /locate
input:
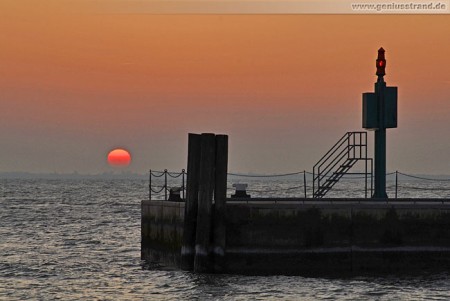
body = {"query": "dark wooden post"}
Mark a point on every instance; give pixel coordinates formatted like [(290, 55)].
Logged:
[(220, 195), (190, 213), (202, 262)]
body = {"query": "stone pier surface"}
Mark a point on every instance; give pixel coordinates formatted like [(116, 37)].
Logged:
[(162, 232), (313, 237)]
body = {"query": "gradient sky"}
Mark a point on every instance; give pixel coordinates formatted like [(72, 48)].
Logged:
[(76, 83)]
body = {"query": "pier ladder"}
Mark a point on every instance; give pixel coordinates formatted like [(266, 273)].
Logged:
[(337, 162)]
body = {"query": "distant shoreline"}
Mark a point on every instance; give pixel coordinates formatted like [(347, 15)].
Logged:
[(73, 176)]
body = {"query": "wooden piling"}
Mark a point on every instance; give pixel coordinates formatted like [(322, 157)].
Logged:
[(202, 261), (220, 194), (190, 213)]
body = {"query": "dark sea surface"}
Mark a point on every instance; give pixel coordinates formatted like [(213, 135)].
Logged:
[(80, 240)]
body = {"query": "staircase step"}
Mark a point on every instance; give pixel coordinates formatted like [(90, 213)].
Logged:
[(356, 144), (337, 175), (339, 172)]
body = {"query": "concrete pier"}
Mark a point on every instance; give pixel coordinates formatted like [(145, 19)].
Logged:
[(309, 237), (162, 232)]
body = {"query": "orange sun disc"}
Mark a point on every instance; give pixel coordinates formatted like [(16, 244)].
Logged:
[(119, 157)]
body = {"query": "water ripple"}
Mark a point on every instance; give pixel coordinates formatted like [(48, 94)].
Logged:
[(80, 240)]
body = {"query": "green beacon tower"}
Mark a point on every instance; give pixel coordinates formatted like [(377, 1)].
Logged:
[(379, 114)]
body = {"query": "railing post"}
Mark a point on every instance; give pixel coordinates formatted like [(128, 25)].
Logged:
[(365, 179), (360, 145), (314, 182), (165, 184), (304, 182), (182, 180), (365, 161), (354, 145), (371, 178), (348, 145), (318, 179), (396, 183), (150, 186)]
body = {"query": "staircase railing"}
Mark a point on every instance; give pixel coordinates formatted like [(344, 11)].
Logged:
[(351, 148)]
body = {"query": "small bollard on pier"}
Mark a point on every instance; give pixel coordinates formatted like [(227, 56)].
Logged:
[(241, 191), (174, 194)]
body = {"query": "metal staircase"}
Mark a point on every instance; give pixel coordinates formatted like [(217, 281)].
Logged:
[(350, 149)]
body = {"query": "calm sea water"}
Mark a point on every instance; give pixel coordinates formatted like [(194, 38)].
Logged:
[(80, 240)]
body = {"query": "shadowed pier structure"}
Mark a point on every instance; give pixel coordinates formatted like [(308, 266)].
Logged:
[(209, 233), (309, 236)]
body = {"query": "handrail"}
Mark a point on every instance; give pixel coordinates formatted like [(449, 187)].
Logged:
[(396, 188), (331, 149), (165, 187), (335, 159), (335, 162), (341, 141), (328, 168), (324, 159)]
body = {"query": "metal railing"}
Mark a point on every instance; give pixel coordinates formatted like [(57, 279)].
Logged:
[(400, 186), (350, 148), (166, 174)]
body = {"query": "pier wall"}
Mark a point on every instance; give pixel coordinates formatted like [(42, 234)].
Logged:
[(162, 232), (309, 237), (336, 237)]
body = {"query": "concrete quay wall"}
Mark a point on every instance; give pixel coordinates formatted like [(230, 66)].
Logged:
[(337, 236), (310, 237), (162, 232)]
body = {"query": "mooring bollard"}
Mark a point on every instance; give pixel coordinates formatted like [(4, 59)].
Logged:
[(240, 191), (174, 194)]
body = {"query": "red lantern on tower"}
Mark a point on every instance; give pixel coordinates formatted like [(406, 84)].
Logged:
[(381, 62)]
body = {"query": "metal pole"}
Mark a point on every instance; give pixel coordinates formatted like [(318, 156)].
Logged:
[(304, 182), (183, 187), (150, 186), (318, 179), (348, 145), (314, 182), (165, 184), (396, 182), (365, 179), (365, 160), (371, 177), (360, 145), (380, 144)]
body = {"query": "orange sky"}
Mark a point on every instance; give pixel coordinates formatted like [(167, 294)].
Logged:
[(75, 83)]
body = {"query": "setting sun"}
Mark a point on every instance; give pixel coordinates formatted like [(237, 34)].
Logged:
[(119, 157)]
